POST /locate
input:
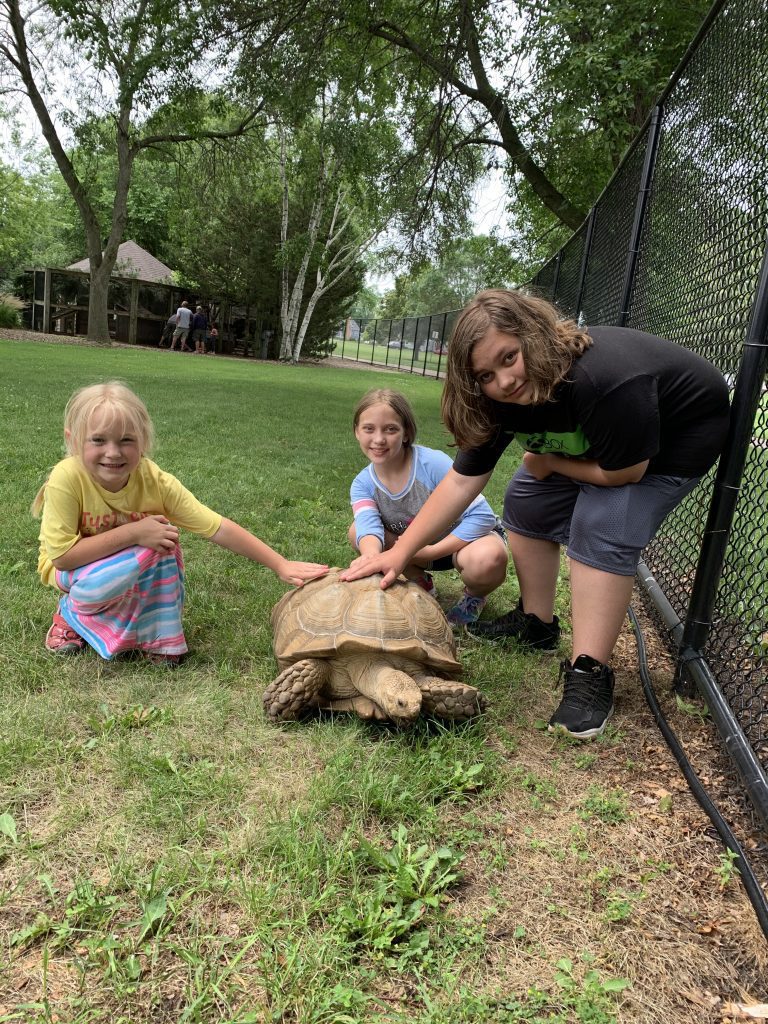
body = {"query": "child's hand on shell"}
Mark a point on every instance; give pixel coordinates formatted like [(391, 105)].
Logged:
[(299, 573), (387, 562)]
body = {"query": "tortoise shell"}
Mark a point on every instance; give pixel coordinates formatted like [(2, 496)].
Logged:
[(327, 619)]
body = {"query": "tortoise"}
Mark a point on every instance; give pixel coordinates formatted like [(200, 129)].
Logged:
[(383, 654)]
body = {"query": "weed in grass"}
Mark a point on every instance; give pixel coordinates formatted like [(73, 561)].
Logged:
[(136, 716), (584, 761), (298, 971), (619, 905), (212, 990), (581, 998), (543, 793), (687, 707), (727, 869), (88, 909), (26, 936), (610, 806), (654, 869), (8, 837), (406, 883), (579, 843), (415, 874), (591, 997), (468, 934), (120, 965)]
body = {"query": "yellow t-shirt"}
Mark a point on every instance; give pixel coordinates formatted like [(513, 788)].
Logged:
[(76, 506)]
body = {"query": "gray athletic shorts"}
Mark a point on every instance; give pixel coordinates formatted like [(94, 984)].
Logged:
[(605, 527)]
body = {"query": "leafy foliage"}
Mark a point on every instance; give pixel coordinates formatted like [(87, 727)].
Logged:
[(10, 307), (464, 267)]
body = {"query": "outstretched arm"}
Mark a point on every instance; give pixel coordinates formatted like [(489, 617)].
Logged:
[(452, 495), (235, 538)]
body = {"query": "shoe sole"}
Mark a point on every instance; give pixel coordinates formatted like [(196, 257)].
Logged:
[(66, 650), (588, 734)]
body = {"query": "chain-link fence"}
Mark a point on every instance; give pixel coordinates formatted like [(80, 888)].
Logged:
[(676, 245), (412, 344)]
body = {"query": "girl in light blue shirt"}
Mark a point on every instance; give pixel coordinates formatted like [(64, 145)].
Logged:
[(389, 492)]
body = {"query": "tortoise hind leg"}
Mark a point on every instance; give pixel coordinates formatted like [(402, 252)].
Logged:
[(445, 698), (295, 690)]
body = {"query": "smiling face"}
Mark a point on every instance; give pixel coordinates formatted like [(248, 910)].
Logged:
[(111, 451), (381, 435), (499, 369)]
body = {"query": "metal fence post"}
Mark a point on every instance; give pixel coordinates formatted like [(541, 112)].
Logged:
[(641, 204), (373, 344), (47, 300), (426, 346), (585, 262), (556, 279), (413, 350), (442, 343)]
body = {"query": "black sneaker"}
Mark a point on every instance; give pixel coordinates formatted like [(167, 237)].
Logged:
[(526, 630), (587, 702)]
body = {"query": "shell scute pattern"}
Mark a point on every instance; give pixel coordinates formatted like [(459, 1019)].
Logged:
[(326, 618)]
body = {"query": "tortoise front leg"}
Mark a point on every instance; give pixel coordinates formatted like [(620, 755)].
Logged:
[(295, 690), (445, 698)]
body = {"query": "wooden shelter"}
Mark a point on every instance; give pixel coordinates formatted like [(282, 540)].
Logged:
[(141, 297)]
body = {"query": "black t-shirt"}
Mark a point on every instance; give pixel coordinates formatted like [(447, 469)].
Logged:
[(628, 398)]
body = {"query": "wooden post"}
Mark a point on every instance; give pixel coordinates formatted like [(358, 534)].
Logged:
[(133, 314), (47, 302)]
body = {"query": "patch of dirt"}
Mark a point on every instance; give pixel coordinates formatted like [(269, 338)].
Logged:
[(12, 334)]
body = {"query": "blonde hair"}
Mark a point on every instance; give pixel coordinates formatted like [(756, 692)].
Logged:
[(118, 405), (548, 345), (397, 402)]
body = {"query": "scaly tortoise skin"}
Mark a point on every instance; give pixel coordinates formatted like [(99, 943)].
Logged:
[(383, 654)]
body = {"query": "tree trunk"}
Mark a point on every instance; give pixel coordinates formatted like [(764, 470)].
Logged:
[(98, 322)]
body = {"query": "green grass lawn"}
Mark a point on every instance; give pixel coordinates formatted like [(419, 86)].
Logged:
[(166, 855)]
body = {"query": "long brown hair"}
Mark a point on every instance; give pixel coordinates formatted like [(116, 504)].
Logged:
[(548, 345)]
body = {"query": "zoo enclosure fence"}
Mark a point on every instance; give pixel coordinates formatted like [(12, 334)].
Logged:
[(413, 344), (676, 246)]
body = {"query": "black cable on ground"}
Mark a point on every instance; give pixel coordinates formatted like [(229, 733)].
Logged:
[(751, 884)]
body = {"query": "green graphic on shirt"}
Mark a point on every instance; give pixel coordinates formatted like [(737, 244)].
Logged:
[(573, 443)]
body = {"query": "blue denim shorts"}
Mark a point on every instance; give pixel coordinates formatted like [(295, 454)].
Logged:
[(605, 527)]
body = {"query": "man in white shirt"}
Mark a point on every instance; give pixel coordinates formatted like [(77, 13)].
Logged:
[(183, 324)]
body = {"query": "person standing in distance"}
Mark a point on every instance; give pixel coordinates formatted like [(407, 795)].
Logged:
[(183, 324)]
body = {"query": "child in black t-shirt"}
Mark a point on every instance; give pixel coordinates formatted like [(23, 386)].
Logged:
[(617, 426)]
